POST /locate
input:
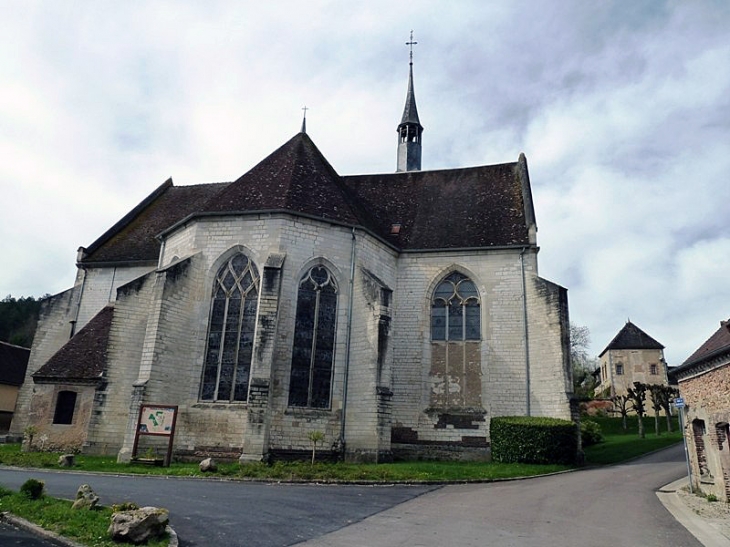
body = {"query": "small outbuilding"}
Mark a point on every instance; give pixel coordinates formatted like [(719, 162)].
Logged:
[(704, 383)]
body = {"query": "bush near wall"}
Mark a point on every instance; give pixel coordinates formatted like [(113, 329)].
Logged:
[(524, 439)]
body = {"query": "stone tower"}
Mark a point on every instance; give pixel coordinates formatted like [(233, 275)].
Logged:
[(410, 128)]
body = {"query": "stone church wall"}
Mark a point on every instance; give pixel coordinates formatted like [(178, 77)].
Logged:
[(417, 416), (109, 418), (52, 332), (60, 437), (549, 340), (100, 287)]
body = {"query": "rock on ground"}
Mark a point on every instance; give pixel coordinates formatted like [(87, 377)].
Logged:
[(139, 525)]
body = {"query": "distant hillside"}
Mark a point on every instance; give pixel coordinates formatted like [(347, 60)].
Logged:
[(18, 318)]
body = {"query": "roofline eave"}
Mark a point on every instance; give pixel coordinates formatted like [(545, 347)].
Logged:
[(211, 214)]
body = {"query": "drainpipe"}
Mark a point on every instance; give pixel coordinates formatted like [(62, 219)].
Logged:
[(349, 339), (526, 331)]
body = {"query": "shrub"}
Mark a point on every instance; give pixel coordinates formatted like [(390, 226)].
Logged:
[(524, 439), (590, 433), (32, 489)]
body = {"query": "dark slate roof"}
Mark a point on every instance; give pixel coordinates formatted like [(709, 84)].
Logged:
[(83, 358), (488, 206), (13, 364), (295, 178), (454, 208), (133, 239), (716, 344), (632, 337)]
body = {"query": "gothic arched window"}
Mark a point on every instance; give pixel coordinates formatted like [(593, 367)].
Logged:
[(231, 331), (455, 375), (314, 340), (455, 310)]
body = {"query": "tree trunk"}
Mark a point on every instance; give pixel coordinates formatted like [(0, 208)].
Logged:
[(642, 435), (656, 422), (669, 420)]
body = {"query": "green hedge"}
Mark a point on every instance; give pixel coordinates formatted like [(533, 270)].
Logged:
[(524, 439)]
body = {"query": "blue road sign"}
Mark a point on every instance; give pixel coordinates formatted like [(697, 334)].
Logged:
[(679, 402)]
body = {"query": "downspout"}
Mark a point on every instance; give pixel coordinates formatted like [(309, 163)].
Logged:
[(526, 330), (349, 339)]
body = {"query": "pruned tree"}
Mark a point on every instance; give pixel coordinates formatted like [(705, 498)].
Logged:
[(637, 397), (657, 394), (621, 405), (668, 395)]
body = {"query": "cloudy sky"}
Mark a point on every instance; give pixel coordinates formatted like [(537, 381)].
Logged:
[(622, 108)]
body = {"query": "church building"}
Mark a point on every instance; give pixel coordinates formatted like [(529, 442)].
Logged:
[(395, 313)]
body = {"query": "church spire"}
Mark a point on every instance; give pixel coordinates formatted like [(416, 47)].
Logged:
[(410, 128)]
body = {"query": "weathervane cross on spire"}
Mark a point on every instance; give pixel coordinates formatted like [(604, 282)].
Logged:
[(304, 119), (410, 44)]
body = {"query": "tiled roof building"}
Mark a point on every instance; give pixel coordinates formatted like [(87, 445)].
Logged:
[(396, 313), (632, 356)]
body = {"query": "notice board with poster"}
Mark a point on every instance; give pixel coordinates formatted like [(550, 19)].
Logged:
[(158, 421)]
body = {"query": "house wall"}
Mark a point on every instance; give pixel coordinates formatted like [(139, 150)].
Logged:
[(8, 397), (636, 364), (707, 403)]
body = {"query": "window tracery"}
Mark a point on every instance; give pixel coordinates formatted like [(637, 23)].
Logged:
[(455, 309), (314, 340), (231, 331)]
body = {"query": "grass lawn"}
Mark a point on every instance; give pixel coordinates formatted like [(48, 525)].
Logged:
[(621, 445), (84, 526)]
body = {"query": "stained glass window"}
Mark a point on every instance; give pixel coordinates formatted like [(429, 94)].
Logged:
[(455, 310), (231, 331), (314, 340)]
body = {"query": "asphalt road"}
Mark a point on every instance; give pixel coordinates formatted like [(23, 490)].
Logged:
[(614, 506), (211, 513)]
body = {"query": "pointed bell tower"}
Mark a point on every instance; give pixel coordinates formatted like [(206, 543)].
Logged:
[(410, 128)]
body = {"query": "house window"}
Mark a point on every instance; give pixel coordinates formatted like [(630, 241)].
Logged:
[(619, 369), (65, 405), (456, 370), (455, 310), (314, 340), (231, 331), (653, 369)]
